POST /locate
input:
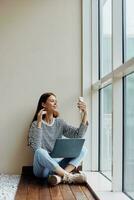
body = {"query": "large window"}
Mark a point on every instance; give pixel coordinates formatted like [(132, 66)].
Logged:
[(106, 131), (105, 37), (110, 47), (129, 135), (129, 28)]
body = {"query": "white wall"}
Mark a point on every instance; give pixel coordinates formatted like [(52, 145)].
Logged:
[(40, 51)]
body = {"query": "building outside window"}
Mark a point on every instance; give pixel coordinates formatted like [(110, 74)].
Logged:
[(105, 18), (106, 131), (128, 184), (129, 28)]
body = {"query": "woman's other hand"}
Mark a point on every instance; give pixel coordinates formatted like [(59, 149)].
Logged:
[(39, 117)]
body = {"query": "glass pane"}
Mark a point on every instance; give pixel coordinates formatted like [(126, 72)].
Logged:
[(129, 29), (129, 135), (105, 37), (106, 131)]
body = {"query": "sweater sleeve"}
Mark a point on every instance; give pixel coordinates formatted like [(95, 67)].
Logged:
[(72, 132), (35, 136)]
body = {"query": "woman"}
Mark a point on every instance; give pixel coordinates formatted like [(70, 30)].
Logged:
[(46, 127)]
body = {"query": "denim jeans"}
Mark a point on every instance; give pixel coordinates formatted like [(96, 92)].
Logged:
[(44, 164)]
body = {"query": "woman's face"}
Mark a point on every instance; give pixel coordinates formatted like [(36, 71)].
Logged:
[(51, 104)]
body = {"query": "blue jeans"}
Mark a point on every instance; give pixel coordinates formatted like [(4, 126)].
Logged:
[(44, 164)]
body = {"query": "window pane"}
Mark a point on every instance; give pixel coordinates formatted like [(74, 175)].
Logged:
[(129, 29), (106, 131), (129, 135), (105, 37)]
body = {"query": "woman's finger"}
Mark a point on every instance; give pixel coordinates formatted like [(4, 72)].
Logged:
[(80, 105), (40, 112), (80, 102)]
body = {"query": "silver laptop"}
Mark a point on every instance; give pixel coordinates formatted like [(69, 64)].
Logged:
[(67, 148)]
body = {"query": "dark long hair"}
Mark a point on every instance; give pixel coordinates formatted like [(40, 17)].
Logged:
[(43, 99)]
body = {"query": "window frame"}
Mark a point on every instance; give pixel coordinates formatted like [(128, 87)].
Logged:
[(90, 62)]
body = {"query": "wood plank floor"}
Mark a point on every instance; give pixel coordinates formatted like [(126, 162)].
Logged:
[(32, 188)]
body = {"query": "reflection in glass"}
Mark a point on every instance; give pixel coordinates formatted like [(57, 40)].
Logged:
[(129, 28), (105, 37), (129, 135), (106, 131)]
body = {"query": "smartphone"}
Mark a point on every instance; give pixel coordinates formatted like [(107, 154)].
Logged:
[(80, 99)]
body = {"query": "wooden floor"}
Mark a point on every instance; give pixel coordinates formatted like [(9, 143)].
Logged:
[(32, 188)]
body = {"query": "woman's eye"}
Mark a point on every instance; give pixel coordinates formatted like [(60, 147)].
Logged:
[(53, 101)]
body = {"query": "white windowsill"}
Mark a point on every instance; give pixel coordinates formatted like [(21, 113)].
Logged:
[(101, 186)]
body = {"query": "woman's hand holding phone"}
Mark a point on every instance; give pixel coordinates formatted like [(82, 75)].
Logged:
[(81, 104)]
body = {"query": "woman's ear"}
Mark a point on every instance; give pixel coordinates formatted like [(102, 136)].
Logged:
[(43, 105)]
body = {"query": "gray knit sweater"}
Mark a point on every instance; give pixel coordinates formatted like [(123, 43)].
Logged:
[(46, 136)]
